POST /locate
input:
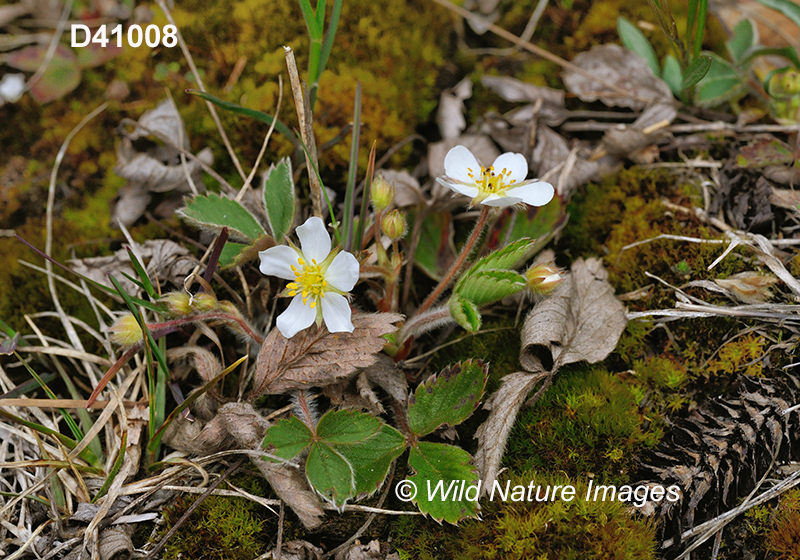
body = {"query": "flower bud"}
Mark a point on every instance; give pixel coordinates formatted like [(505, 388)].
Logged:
[(394, 225), (790, 83), (126, 332), (203, 302), (382, 193), (543, 278), (178, 304)]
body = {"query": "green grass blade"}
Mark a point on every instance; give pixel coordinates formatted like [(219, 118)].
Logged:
[(66, 441), (314, 30), (114, 469), (147, 286), (352, 171), (252, 113), (146, 304)]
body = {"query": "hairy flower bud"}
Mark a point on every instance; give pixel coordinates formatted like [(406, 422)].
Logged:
[(203, 302), (543, 278), (382, 193), (394, 225), (178, 304), (126, 332)]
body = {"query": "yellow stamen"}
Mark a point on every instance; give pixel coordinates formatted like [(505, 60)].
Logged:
[(310, 282)]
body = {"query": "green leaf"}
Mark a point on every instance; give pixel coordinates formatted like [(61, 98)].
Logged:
[(61, 76), (634, 40), (465, 313), (722, 83), (279, 198), (672, 74), (351, 455), (788, 53), (372, 459), (252, 113), (213, 212), (229, 253), (744, 38), (505, 258), (539, 223), (786, 7), (442, 471), (330, 473), (488, 286), (696, 71), (448, 398), (289, 436), (435, 251), (764, 151)]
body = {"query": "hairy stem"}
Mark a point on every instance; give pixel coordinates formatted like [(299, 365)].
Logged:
[(456, 266)]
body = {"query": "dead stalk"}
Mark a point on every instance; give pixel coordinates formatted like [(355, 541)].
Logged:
[(305, 119)]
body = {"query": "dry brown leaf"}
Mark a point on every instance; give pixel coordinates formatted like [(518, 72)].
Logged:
[(581, 321), (163, 259), (785, 198), (622, 68), (248, 427), (450, 116), (150, 166), (298, 550), (517, 91), (374, 550), (749, 286), (551, 152), (315, 357), (493, 433), (385, 374)]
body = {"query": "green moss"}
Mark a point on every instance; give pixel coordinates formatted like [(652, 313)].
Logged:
[(223, 528), (576, 529), (588, 421), (783, 539)]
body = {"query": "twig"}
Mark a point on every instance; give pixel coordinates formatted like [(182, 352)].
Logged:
[(306, 131)]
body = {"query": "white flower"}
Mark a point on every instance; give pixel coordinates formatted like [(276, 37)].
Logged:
[(501, 184), (320, 280)]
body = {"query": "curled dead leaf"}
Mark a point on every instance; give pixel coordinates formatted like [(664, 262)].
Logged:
[(749, 286), (581, 321), (315, 357)]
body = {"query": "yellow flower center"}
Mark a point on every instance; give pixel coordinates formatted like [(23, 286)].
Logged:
[(309, 281), (490, 182)]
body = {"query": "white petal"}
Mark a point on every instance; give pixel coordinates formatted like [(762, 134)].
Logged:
[(467, 190), (314, 239), (278, 261), (500, 201), (516, 166), (336, 313), (342, 274), (535, 194), (459, 163), (296, 317)]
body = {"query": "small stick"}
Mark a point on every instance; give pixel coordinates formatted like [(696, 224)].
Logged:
[(306, 130)]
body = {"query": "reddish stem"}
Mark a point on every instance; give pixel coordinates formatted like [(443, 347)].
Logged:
[(456, 266)]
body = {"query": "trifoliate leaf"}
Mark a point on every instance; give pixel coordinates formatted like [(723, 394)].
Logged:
[(443, 477), (488, 286), (213, 212), (448, 398), (289, 437), (279, 198), (351, 455), (465, 313)]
